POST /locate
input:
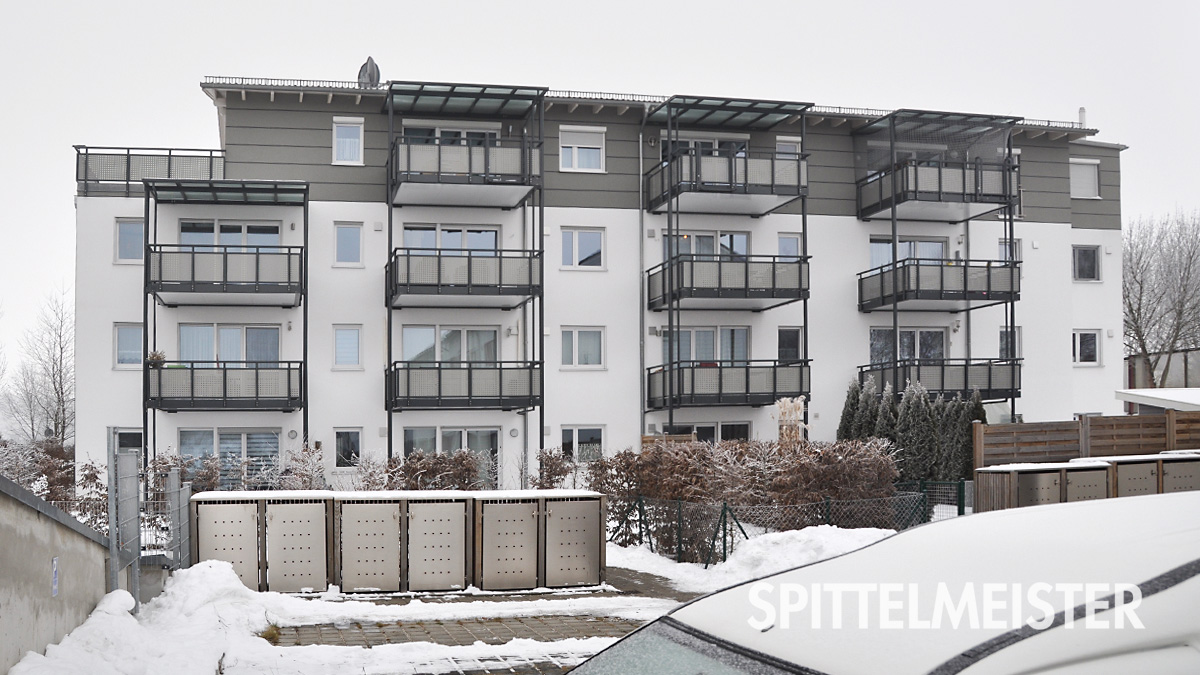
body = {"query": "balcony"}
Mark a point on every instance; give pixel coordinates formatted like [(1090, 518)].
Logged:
[(119, 172), (464, 385), (996, 379), (939, 285), (713, 383), (935, 190), (726, 281), (500, 174), (231, 385), (422, 277), (750, 183), (269, 276)]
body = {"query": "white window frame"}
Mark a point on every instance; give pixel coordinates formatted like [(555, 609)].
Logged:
[(1004, 244), (345, 224), (916, 331), (357, 327), (336, 457), (790, 139), (789, 235), (603, 131), (574, 364), (1099, 266), (362, 134), (117, 259), (749, 428), (574, 429), (440, 228), (798, 329), (1095, 164), (716, 235), (117, 365), (437, 339), (211, 451), (719, 357), (1099, 347), (216, 328), (575, 266)]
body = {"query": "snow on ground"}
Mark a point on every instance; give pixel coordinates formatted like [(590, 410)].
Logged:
[(753, 558), (205, 616)]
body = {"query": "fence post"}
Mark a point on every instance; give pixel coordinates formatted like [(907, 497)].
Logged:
[(679, 530), (1172, 439), (962, 497), (977, 437), (828, 512), (1085, 440), (724, 531)]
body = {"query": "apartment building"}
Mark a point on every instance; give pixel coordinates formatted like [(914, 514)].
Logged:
[(433, 266)]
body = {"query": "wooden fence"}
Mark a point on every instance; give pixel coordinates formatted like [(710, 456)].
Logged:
[(1085, 437)]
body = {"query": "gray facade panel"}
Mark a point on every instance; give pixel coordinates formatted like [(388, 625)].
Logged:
[(1103, 213)]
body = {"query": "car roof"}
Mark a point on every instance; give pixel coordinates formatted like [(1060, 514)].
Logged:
[(1128, 540)]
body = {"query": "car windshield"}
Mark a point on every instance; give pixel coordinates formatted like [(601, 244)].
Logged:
[(664, 648)]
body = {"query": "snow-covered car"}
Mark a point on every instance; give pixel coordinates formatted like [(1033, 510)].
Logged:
[(1098, 587)]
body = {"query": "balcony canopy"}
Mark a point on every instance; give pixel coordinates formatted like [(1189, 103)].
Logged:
[(931, 122), (720, 112), (490, 101), (264, 192)]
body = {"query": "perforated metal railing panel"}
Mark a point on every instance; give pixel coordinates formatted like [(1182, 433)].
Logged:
[(370, 546), (296, 553), (573, 536), (509, 552), (229, 532), (437, 546)]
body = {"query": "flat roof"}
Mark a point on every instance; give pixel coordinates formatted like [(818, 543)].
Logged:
[(265, 192), (1171, 399)]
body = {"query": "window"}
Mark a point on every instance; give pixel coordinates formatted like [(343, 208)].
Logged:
[(129, 440), (789, 247), (450, 239), (583, 347), (1085, 347), (347, 244), (787, 147), (706, 146), (1086, 263), (582, 248), (432, 344), (130, 241), (729, 344), (348, 443), (477, 135), (710, 432), (202, 234), (485, 443), (196, 444), (257, 346), (127, 346), (581, 148), (1010, 342), (1085, 178), (735, 431), (924, 249), (347, 344), (791, 343), (420, 439), (706, 243), (246, 454), (348, 141), (1010, 249), (583, 444), (915, 343)]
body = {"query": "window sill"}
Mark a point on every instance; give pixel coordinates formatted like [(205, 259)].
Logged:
[(347, 164), (582, 369), (129, 261), (349, 266), (582, 269), (1088, 281), (347, 369), (566, 170), (1088, 365), (128, 368), (1094, 199)]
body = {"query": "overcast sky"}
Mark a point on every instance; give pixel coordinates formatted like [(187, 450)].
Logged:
[(128, 74)]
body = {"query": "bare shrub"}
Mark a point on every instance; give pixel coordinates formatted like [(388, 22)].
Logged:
[(553, 469), (436, 471)]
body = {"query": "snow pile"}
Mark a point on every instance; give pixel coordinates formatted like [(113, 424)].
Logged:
[(756, 557), (205, 616)]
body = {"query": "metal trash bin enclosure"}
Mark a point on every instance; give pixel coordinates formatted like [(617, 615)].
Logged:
[(1171, 471), (574, 539), (508, 545), (368, 541), (227, 526), (298, 535), (1180, 473), (437, 534), (1013, 485)]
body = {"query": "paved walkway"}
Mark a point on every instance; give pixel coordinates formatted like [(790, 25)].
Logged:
[(492, 631)]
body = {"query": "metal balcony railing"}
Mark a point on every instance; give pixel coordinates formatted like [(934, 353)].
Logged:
[(753, 172), (226, 385), (995, 379), (935, 181), (431, 271), (728, 276), (988, 281), (718, 383), (119, 172), (500, 161), (226, 269), (464, 385)]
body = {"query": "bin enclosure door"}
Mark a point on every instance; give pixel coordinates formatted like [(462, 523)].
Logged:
[(437, 546), (510, 551), (296, 555), (574, 536), (370, 546), (229, 532)]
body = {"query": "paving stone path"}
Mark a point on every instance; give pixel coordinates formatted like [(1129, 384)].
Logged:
[(492, 631)]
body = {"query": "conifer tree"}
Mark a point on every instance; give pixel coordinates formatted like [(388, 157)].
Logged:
[(885, 422), (868, 411), (845, 430)]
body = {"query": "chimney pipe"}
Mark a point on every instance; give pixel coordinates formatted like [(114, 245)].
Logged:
[(1083, 117)]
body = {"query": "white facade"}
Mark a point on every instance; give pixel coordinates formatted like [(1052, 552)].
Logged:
[(611, 297)]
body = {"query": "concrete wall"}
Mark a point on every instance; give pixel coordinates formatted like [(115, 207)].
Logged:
[(34, 533)]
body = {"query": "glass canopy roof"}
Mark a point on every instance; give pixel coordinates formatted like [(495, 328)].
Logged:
[(927, 122), (269, 192), (464, 100), (725, 113)]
